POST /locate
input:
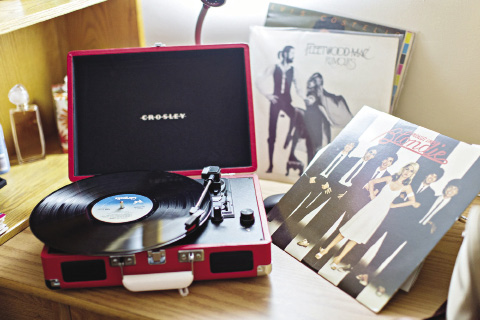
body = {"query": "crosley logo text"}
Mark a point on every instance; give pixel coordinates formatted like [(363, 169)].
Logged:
[(165, 116)]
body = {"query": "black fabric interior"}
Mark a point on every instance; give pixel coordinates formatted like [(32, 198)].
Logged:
[(115, 95)]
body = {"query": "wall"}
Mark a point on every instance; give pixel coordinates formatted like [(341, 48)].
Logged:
[(440, 90)]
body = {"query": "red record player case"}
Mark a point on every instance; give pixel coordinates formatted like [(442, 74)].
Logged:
[(235, 252)]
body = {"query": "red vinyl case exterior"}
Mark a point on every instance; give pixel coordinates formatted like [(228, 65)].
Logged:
[(174, 109)]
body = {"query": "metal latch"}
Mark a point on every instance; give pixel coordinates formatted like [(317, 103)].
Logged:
[(157, 257)]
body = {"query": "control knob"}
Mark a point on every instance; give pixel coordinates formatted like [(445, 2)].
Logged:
[(246, 217)]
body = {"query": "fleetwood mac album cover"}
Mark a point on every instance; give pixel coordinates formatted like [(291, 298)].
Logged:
[(374, 203), (307, 85), (281, 15)]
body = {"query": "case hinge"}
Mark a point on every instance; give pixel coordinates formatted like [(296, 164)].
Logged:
[(198, 255), (121, 261)]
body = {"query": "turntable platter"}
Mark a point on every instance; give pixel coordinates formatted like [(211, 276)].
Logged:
[(118, 213)]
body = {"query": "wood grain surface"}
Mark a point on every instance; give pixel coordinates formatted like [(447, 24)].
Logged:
[(28, 184), (15, 14)]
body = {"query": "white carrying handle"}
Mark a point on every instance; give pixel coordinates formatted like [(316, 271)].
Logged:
[(159, 281)]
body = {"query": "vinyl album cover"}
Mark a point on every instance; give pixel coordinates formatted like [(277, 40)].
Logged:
[(281, 15), (371, 207), (308, 85)]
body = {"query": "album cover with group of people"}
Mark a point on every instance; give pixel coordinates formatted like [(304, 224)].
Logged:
[(368, 210)]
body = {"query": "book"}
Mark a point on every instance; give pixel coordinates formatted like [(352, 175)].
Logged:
[(280, 15), (374, 203), (307, 85)]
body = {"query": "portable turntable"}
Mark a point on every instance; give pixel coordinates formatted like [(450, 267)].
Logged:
[(158, 137)]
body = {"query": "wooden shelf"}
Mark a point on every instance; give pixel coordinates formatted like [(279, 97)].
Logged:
[(16, 14), (27, 186), (35, 38)]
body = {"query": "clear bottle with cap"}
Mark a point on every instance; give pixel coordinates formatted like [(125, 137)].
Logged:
[(26, 126), (4, 161)]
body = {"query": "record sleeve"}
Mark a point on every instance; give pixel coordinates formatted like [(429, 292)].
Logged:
[(371, 207), (308, 84)]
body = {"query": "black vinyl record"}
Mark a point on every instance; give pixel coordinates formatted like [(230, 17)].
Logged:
[(119, 213)]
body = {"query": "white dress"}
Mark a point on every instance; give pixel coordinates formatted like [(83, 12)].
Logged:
[(366, 221)]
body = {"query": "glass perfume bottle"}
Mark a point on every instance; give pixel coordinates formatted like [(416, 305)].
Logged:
[(26, 126)]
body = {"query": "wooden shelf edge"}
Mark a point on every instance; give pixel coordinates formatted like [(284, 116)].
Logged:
[(50, 10), (14, 230)]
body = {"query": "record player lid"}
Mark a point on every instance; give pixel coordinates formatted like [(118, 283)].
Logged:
[(161, 108)]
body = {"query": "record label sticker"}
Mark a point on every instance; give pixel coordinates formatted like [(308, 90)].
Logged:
[(122, 208)]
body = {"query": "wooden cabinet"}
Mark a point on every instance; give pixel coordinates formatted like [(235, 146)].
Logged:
[(35, 37)]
